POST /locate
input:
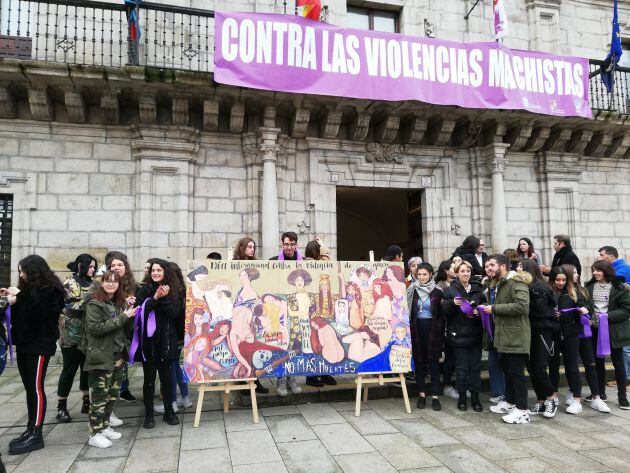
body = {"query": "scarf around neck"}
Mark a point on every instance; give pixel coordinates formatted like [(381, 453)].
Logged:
[(297, 254), (424, 290)]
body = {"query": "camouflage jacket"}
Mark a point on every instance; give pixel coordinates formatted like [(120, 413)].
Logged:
[(73, 312)]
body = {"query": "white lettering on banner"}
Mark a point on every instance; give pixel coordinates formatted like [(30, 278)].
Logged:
[(297, 46)]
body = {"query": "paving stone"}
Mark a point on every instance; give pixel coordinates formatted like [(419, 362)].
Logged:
[(424, 433), (363, 462), (242, 419), (206, 416), (560, 457), (207, 435), (161, 429), (290, 429), (341, 439), (120, 448), (369, 423), (68, 434), (393, 409), (401, 451), (492, 424), (491, 446), (317, 414), (104, 465), (273, 467), (279, 410), (437, 469), (349, 406), (252, 446), (527, 465), (154, 455), (615, 458), (577, 442), (307, 457), (49, 460), (444, 420), (614, 438), (212, 460), (461, 458)]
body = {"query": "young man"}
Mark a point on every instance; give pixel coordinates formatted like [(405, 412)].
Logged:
[(393, 253), (512, 336), (564, 255)]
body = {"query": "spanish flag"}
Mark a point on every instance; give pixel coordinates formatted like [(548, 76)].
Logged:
[(310, 9)]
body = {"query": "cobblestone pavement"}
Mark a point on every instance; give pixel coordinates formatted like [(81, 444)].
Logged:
[(319, 438)]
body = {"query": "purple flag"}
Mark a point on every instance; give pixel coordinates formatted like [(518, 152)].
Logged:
[(287, 53), (603, 336), (138, 332)]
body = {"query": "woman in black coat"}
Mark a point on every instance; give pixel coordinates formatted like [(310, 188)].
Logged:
[(464, 332), (163, 295), (467, 252), (34, 328)]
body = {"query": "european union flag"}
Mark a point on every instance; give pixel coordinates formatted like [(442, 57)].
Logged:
[(608, 68)]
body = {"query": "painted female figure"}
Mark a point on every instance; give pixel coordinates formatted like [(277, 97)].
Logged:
[(395, 278), (362, 344), (380, 320), (299, 305), (324, 341)]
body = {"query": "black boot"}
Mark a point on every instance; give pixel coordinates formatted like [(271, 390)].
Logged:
[(169, 415), (23, 435), (63, 416), (85, 408), (2, 468), (461, 402), (34, 441), (149, 420), (475, 403)]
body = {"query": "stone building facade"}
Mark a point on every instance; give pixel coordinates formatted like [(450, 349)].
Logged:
[(166, 162)]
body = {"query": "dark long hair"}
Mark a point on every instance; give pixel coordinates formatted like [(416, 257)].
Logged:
[(170, 279), (119, 298), (180, 277), (471, 243), (38, 275), (441, 273), (606, 268), (128, 282), (532, 268), (312, 250), (81, 265), (569, 286), (241, 245), (530, 250)]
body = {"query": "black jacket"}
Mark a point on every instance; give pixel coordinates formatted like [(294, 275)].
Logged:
[(541, 307), (570, 323), (566, 256), (462, 331), (35, 319), (466, 255), (163, 344)]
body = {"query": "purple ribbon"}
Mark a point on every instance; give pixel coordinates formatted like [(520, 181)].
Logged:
[(486, 323), (281, 255), (570, 309), (603, 336), (7, 320), (138, 331), (466, 308), (585, 319)]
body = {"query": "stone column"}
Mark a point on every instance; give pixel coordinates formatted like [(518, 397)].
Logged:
[(269, 214), (495, 160)]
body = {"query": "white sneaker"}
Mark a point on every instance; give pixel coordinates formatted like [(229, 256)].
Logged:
[(516, 416), (569, 399), (574, 408), (450, 391), (556, 400), (99, 441), (550, 409), (159, 408), (184, 402), (497, 399), (282, 387), (111, 434), (294, 386), (600, 405), (115, 421), (502, 408)]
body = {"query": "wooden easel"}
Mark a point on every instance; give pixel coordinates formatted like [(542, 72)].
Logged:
[(226, 386), (365, 379)]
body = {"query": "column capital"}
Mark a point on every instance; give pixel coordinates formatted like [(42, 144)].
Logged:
[(494, 156)]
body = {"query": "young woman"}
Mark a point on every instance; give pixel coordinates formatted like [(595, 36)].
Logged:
[(570, 304), (610, 300), (106, 342), (542, 320), (467, 252), (34, 329), (525, 250), (587, 350), (162, 295), (465, 333), (444, 276), (312, 251), (427, 332), (245, 249), (76, 287)]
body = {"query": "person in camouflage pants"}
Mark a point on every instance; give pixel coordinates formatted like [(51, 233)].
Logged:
[(105, 386)]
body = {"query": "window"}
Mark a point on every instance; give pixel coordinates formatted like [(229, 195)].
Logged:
[(624, 60), (6, 220), (372, 19)]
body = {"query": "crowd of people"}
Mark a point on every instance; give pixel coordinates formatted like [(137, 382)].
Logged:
[(522, 312)]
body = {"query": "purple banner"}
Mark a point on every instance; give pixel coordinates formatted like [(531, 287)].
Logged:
[(288, 53)]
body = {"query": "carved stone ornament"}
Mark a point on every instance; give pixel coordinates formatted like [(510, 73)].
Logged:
[(384, 153), (429, 29), (496, 164)]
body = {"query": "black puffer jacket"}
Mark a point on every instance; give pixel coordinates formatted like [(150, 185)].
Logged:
[(163, 344), (469, 256), (570, 321), (462, 331), (542, 304), (35, 320)]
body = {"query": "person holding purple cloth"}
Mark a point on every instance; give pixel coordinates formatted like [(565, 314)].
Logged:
[(610, 307)]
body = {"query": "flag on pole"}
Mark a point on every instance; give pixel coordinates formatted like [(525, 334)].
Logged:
[(500, 19), (309, 9), (610, 63)]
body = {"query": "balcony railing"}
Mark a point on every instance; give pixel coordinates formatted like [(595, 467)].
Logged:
[(89, 32)]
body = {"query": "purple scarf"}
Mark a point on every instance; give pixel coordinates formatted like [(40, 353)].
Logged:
[(297, 254), (486, 323), (603, 336), (138, 331), (7, 320), (466, 308), (585, 319)]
